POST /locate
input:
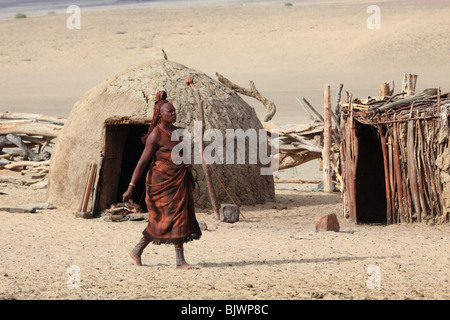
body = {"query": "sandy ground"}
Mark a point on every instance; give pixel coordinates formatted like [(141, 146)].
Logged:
[(272, 253)]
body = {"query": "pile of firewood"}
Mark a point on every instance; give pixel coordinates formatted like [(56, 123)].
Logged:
[(125, 211), (297, 143), (26, 142)]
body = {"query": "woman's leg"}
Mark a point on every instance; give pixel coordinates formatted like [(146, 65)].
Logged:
[(136, 253), (179, 255)]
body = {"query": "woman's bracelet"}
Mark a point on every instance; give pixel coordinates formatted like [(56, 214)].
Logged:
[(132, 184)]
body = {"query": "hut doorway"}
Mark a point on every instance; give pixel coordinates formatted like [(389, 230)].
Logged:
[(370, 188), (121, 152)]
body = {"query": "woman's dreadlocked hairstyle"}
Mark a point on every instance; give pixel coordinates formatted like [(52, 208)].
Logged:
[(160, 99)]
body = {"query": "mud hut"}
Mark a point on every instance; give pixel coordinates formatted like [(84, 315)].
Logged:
[(105, 126), (395, 157)]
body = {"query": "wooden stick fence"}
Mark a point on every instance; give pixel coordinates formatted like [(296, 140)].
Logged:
[(414, 138)]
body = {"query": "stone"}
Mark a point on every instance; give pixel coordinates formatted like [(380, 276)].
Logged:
[(202, 225), (229, 213), (326, 222)]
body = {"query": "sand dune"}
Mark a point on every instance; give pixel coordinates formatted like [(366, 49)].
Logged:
[(287, 51)]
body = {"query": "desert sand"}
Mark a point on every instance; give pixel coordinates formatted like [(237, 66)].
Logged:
[(273, 252)]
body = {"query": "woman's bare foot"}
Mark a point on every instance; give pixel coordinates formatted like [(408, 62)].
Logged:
[(136, 258), (186, 266)]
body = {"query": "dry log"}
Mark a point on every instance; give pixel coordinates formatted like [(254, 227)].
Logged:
[(418, 151), (34, 117), (351, 160), (334, 133), (337, 114), (299, 181), (412, 168), (290, 160), (299, 147), (30, 142), (428, 93), (310, 115), (7, 155), (252, 92), (391, 91), (386, 173), (429, 171), (326, 151), (26, 164), (354, 163), (317, 114), (343, 166), (350, 195), (299, 129), (424, 183), (391, 175), (3, 142), (398, 174), (337, 110), (18, 210), (35, 172), (39, 185), (27, 153), (16, 180), (89, 185), (293, 144), (384, 89), (297, 144), (409, 84), (30, 127)]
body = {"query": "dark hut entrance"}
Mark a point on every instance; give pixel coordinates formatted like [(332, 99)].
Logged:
[(369, 180), (121, 152)]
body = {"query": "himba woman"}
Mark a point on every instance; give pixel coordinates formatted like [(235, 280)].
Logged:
[(169, 188)]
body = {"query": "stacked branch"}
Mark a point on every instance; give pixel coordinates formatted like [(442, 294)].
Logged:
[(251, 92), (26, 142), (329, 137), (297, 143), (125, 211)]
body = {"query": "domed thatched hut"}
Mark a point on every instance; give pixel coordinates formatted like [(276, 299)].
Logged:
[(105, 127)]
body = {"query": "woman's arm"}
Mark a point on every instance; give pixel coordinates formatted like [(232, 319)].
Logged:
[(150, 148)]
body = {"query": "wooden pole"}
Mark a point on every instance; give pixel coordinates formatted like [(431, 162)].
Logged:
[(209, 185), (30, 127), (412, 168), (354, 165), (386, 173), (319, 117), (326, 151), (88, 188), (384, 89), (409, 84), (398, 174), (311, 116)]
